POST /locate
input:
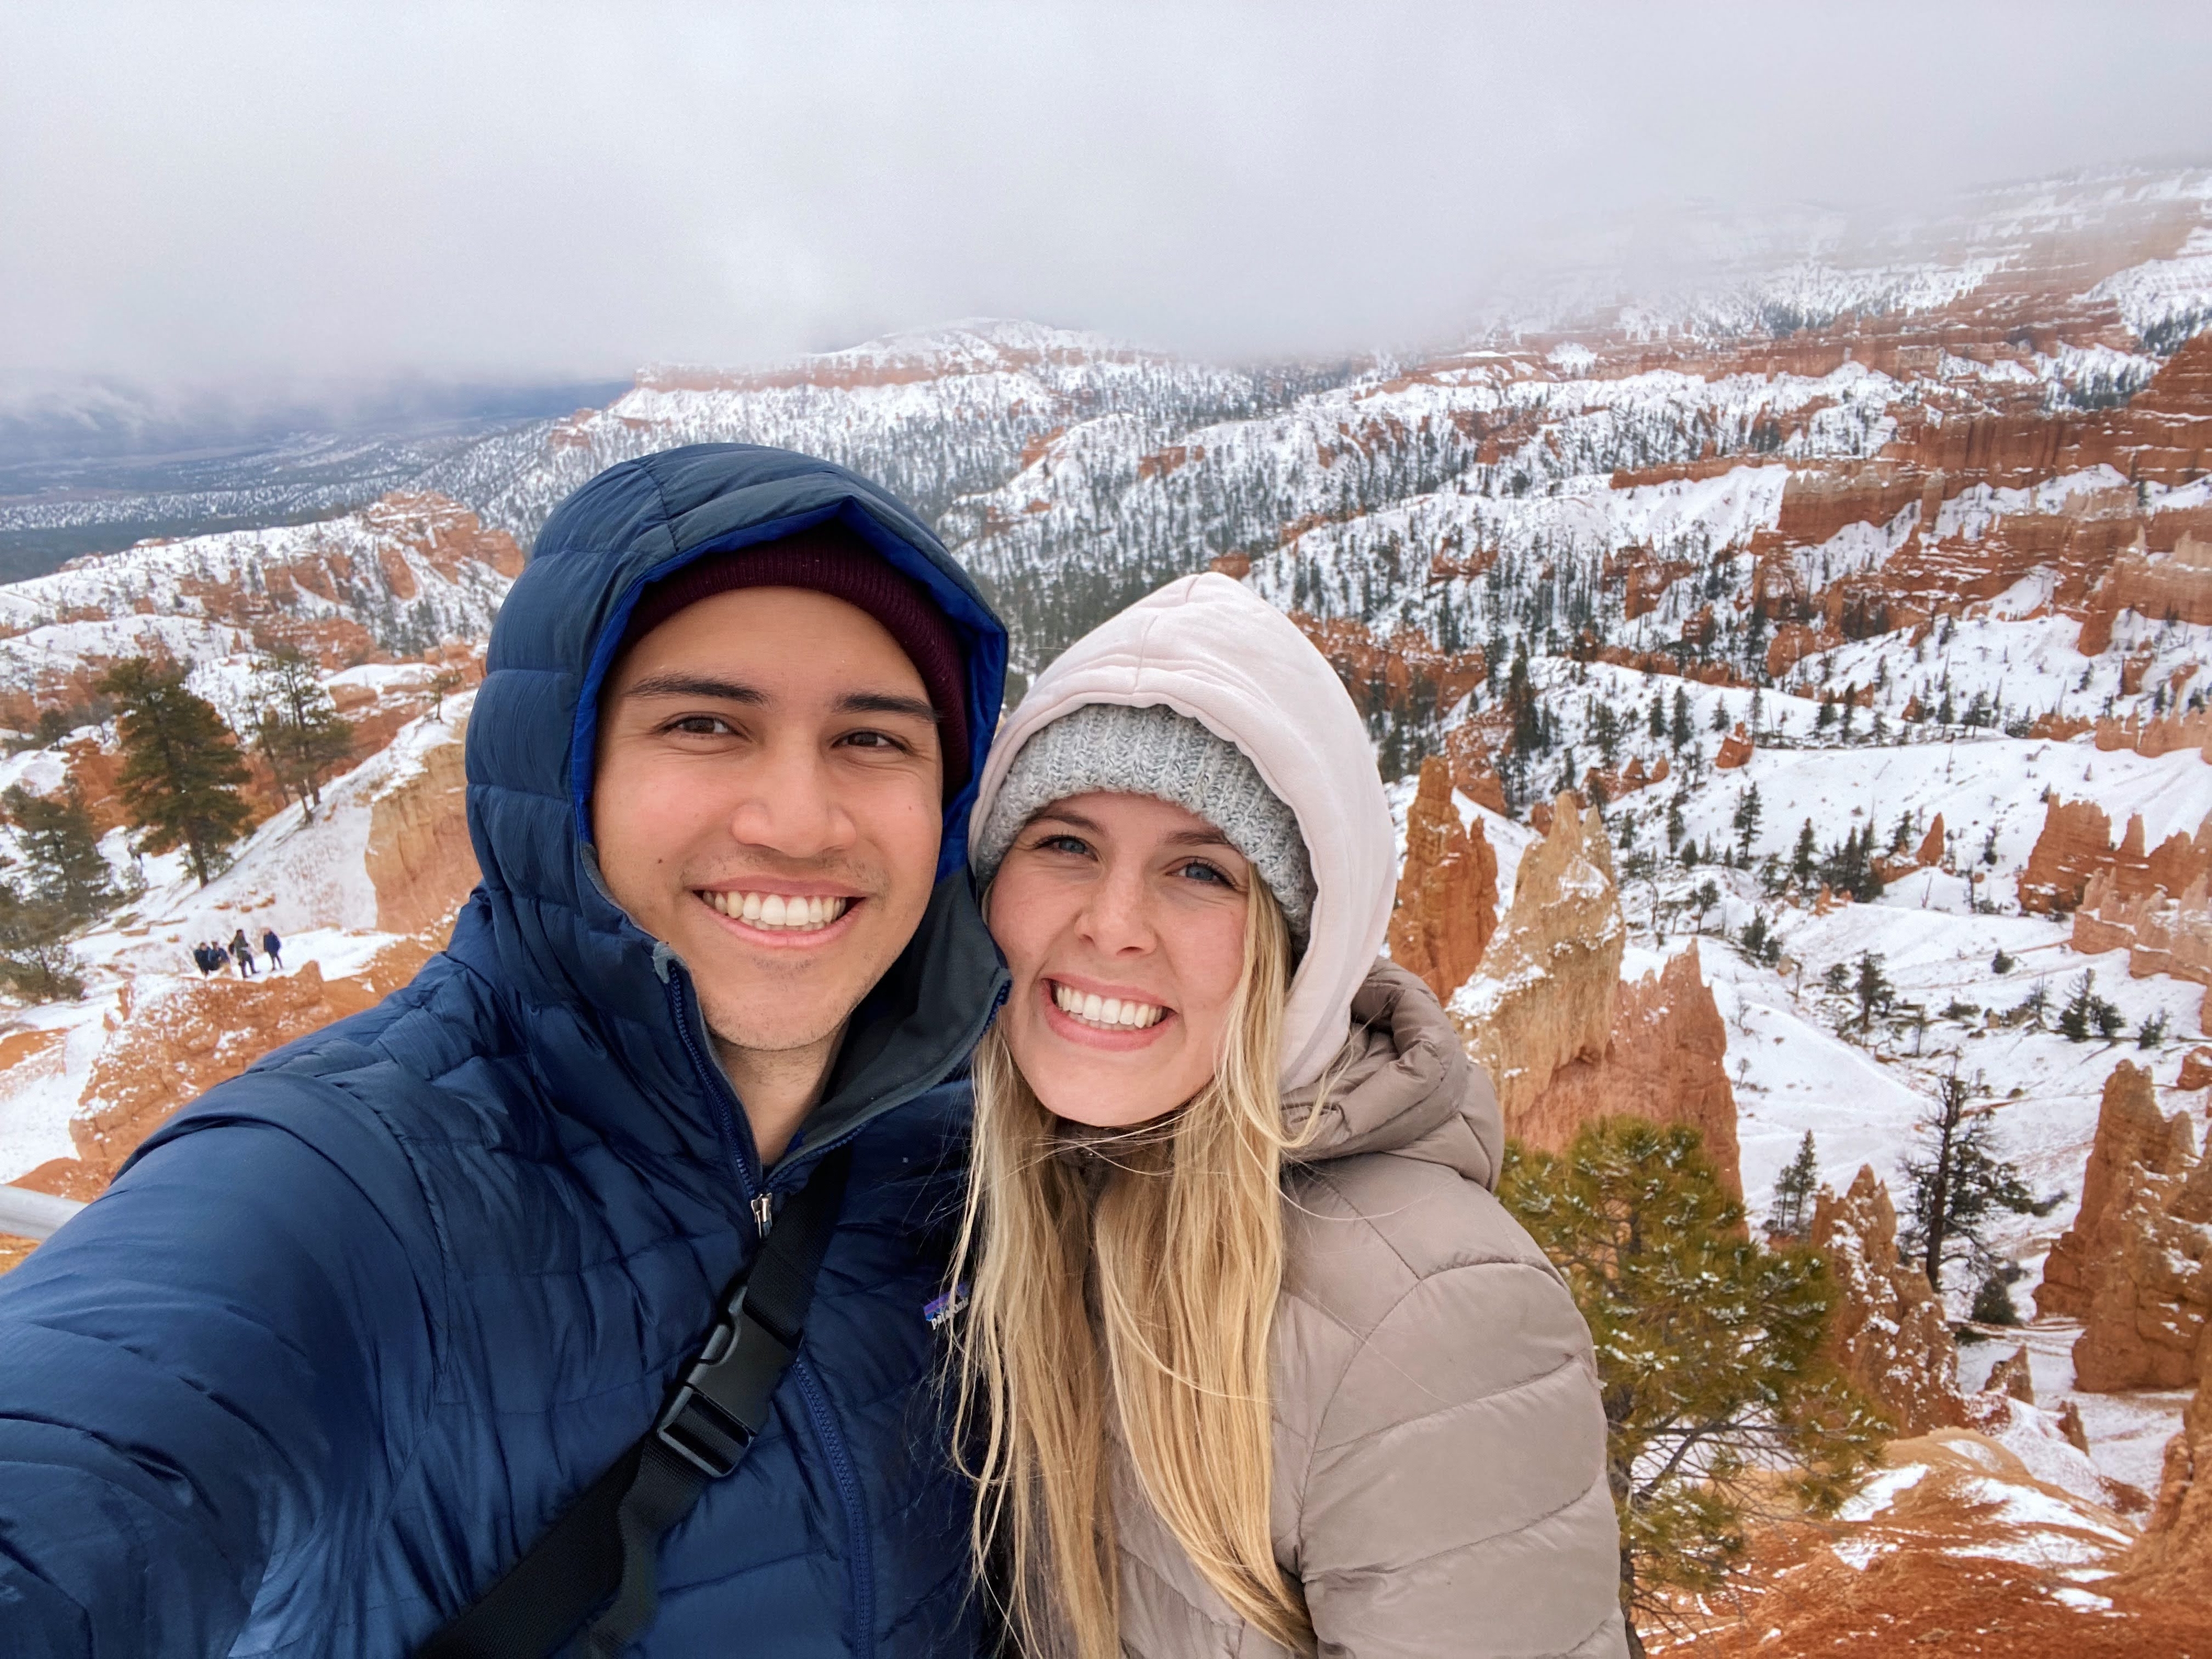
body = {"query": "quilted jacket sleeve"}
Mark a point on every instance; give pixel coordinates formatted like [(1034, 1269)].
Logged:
[(1456, 1501), (222, 1358)]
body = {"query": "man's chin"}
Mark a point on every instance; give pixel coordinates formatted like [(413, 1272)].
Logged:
[(783, 1004)]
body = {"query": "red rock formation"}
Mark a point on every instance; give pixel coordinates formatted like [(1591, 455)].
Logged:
[(2196, 1070), (1932, 844), (2162, 734), (2133, 1267), (1448, 893), (2012, 1378), (419, 856), (1735, 750), (1888, 1333), (2174, 1558), (1468, 752), (1545, 993), (2131, 1133), (2160, 934), (1406, 671), (2076, 843), (2177, 585), (1665, 1059), (1625, 782)]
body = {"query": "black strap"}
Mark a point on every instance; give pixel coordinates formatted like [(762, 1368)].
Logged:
[(606, 1548)]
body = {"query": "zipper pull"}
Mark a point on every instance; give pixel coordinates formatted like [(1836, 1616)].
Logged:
[(765, 1214)]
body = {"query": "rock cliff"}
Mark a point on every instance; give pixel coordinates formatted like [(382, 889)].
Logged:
[(2173, 1560), (2076, 845), (1888, 1334), (419, 857), (2134, 1266), (1545, 993), (1665, 1059), (1448, 892)]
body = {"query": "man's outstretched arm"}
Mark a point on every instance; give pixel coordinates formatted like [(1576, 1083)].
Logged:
[(207, 1371)]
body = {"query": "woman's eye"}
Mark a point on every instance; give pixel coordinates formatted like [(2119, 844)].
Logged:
[(700, 725), (1199, 870), (1074, 844)]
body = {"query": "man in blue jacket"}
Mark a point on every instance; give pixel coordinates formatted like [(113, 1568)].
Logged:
[(349, 1335)]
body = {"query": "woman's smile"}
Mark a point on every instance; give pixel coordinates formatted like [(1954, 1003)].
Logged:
[(1112, 1019)]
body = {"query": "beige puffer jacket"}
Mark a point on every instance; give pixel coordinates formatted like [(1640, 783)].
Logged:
[(1440, 1449), (1439, 1446)]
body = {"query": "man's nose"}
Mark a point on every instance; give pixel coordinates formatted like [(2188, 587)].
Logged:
[(787, 806)]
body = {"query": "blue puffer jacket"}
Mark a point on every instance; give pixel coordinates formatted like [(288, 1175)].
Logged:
[(348, 1335)]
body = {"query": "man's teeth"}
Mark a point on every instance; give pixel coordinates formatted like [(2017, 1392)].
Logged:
[(1095, 1010), (798, 915)]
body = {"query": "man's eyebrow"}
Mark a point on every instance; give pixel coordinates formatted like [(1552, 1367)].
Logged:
[(695, 685), (886, 702)]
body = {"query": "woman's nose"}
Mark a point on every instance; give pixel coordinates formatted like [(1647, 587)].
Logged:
[(1118, 916)]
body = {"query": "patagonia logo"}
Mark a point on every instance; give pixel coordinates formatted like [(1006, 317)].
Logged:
[(941, 1309)]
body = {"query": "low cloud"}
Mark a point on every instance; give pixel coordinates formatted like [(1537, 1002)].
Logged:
[(295, 194)]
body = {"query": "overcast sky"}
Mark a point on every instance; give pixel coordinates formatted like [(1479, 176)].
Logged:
[(192, 193)]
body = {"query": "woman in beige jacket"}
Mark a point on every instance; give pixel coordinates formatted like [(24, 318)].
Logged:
[(1254, 1361)]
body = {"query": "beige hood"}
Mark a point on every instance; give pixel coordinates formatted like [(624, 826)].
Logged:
[(1212, 650)]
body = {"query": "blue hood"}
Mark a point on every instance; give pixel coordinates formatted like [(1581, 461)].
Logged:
[(593, 984)]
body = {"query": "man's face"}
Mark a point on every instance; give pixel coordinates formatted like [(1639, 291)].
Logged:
[(768, 802)]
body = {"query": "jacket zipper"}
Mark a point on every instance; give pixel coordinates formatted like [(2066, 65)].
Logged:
[(860, 1563), (860, 1577), (723, 1101)]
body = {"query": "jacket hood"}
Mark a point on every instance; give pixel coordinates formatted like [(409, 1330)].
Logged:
[(593, 986), (1402, 1083), (1212, 650)]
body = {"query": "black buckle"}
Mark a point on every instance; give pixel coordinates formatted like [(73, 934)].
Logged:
[(723, 1402)]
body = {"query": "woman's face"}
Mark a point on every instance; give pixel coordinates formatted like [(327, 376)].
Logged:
[(1122, 921)]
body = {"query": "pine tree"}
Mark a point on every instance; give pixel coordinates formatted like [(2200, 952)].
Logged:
[(1708, 1350), (2085, 1011), (1871, 986), (299, 731), (180, 766), (58, 838), (1656, 724), (1802, 861), (1956, 1186), (1793, 1188), (1679, 733), (1747, 810)]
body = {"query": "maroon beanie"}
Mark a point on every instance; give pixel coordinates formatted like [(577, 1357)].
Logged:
[(832, 560)]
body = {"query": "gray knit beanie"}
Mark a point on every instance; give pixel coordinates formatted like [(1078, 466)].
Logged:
[(1154, 751)]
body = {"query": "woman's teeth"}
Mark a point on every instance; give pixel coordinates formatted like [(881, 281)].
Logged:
[(798, 915), (1094, 1009)]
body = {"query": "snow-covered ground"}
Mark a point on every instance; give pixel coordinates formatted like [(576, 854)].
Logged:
[(306, 878)]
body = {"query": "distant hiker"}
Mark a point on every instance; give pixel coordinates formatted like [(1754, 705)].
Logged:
[(242, 952), (273, 948), (204, 955), (341, 1342)]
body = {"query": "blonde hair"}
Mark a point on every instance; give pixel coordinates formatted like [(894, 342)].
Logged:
[(1143, 1304)]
